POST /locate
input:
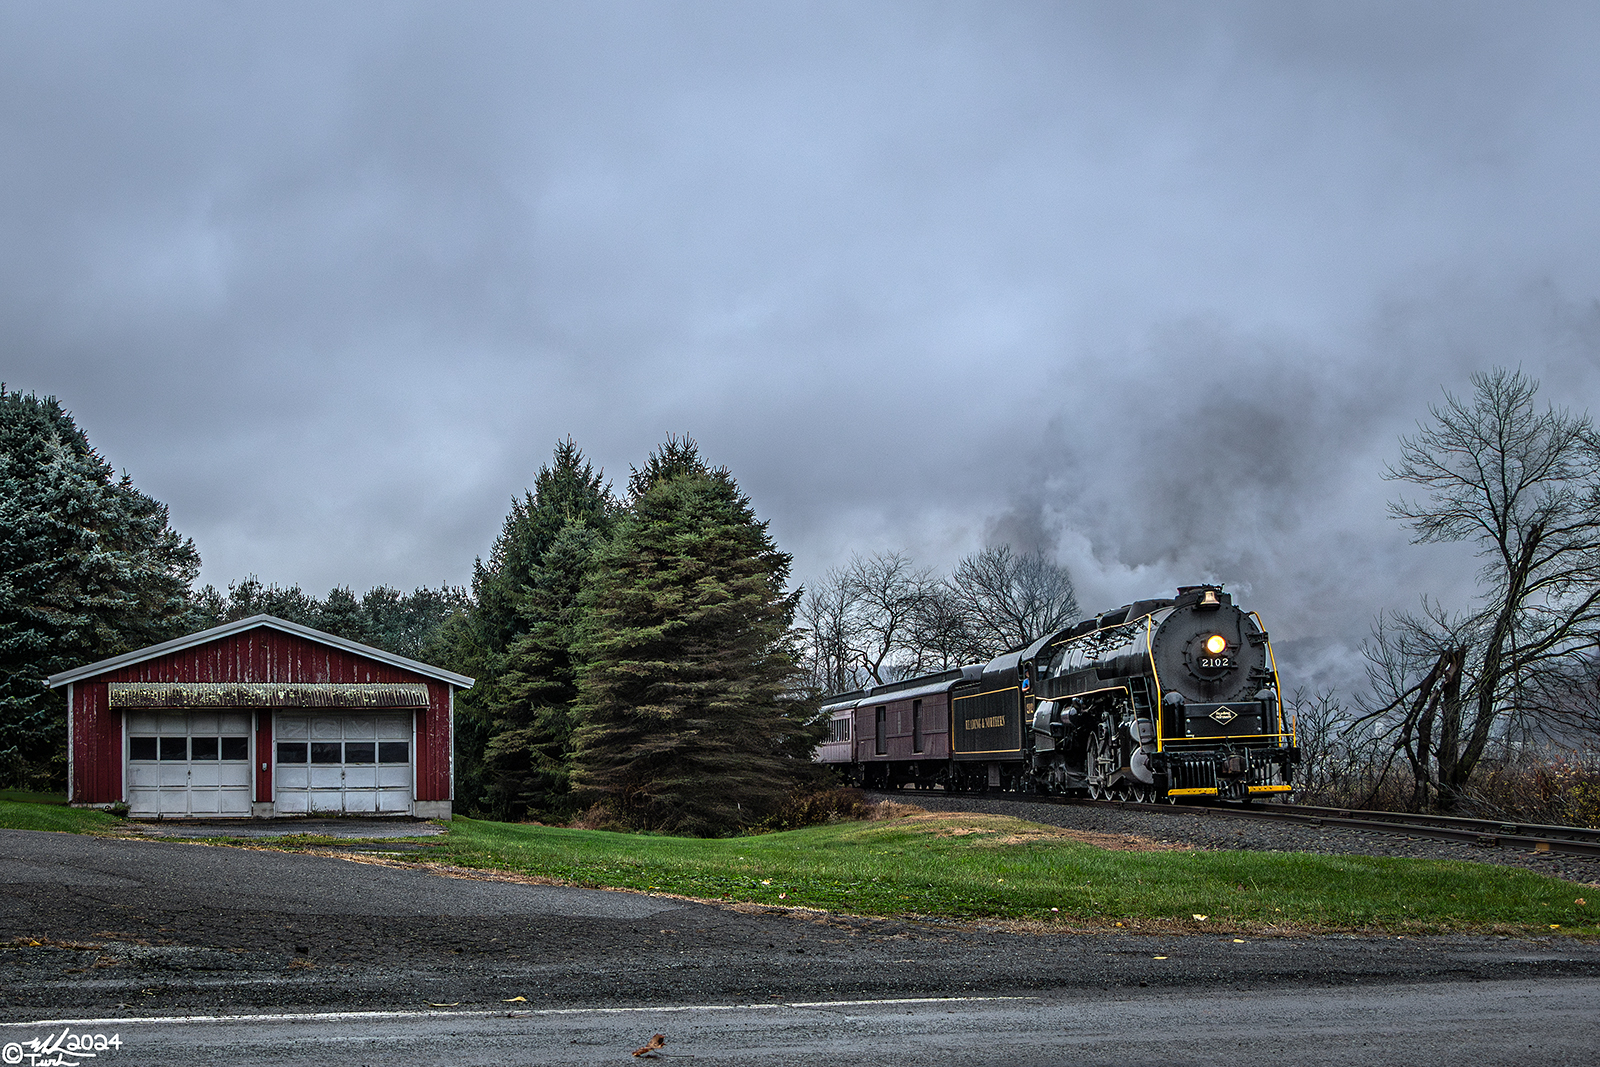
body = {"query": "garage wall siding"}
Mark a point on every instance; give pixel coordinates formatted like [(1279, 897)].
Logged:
[(260, 655), (263, 655), (96, 745), (261, 772), (433, 745)]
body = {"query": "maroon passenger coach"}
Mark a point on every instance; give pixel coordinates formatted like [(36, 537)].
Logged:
[(261, 717)]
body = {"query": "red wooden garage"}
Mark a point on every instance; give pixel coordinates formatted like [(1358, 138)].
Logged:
[(263, 718)]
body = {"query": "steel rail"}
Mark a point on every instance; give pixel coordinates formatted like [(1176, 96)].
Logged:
[(1483, 833)]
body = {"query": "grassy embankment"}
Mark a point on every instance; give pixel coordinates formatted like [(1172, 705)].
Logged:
[(979, 866), (20, 810)]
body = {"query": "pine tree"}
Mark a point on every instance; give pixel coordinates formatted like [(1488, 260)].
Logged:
[(480, 641), (89, 567), (689, 719), (527, 758)]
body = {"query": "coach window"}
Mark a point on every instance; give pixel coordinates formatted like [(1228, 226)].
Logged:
[(916, 726), (880, 721)]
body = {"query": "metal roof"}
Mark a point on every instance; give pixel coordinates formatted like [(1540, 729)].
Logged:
[(269, 622), (891, 694)]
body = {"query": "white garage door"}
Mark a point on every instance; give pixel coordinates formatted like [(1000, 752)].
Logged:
[(358, 763), (188, 763)]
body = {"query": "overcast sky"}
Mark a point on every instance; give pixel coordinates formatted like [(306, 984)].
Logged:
[(1152, 287)]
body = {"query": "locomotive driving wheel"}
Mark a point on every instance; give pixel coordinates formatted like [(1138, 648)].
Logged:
[(1100, 760)]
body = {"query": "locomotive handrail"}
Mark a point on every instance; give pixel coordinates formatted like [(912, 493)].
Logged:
[(1277, 685), (1155, 708)]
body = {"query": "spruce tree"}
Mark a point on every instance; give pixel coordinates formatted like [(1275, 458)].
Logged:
[(527, 758), (690, 722), (479, 642), (89, 567)]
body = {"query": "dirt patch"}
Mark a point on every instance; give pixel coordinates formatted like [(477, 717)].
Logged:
[(893, 809), (1003, 831)]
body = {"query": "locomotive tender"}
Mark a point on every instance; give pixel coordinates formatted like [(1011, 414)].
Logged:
[(1157, 699)]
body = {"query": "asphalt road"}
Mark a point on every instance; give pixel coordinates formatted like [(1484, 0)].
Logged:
[(1485, 1024), (120, 930)]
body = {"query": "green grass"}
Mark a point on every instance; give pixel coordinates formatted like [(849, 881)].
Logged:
[(49, 815), (23, 796), (991, 867)]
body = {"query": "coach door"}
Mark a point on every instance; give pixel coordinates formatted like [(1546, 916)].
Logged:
[(183, 763), (335, 764)]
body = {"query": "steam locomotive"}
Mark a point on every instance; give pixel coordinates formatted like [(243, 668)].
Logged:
[(1159, 699)]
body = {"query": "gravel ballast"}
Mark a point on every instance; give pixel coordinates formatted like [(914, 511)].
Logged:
[(1216, 829)]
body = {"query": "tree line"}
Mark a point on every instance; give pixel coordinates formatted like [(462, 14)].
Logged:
[(632, 647)]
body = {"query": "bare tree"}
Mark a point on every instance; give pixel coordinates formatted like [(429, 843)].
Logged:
[(876, 619), (825, 621), (941, 633), (1523, 486), (882, 617), (887, 596), (1563, 708), (1012, 600), (1415, 666)]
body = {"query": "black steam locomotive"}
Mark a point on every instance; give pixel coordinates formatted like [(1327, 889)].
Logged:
[(1158, 699)]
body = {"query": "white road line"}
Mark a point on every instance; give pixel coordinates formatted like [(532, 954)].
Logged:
[(346, 1016), (902, 1000)]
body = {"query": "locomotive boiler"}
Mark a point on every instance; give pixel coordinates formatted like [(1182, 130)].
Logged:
[(1161, 698)]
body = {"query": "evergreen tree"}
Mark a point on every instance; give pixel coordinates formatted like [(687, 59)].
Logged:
[(409, 624), (89, 567), (690, 722), (569, 489), (480, 641), (527, 757)]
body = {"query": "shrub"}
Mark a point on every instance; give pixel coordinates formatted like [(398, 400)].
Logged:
[(812, 807)]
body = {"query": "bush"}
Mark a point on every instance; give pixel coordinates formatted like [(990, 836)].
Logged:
[(1552, 786), (813, 807)]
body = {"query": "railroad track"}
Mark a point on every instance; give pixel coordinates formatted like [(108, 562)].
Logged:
[(1484, 833)]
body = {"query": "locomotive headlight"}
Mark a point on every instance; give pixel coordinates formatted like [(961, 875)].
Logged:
[(1216, 645)]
